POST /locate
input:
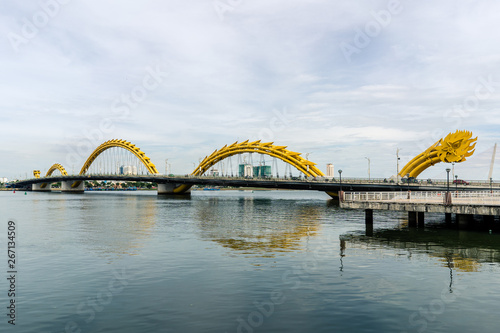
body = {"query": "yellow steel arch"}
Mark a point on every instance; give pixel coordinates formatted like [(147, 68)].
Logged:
[(120, 144), (305, 166), (455, 147), (53, 168)]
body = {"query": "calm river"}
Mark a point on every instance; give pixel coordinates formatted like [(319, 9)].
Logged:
[(238, 261)]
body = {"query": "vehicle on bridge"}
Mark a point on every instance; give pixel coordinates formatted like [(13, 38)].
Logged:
[(460, 182), (409, 180)]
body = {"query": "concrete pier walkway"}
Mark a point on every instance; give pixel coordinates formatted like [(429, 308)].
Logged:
[(464, 204)]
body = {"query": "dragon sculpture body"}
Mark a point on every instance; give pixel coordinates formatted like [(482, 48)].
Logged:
[(454, 148)]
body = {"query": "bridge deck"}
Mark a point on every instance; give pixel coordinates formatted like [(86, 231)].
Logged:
[(332, 186)]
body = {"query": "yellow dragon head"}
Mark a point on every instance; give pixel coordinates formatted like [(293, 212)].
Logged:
[(455, 147)]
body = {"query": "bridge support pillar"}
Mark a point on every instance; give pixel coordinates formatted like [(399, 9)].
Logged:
[(169, 189), (66, 187), (37, 188)]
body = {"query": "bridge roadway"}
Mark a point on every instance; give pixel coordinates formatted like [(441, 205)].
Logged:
[(276, 183)]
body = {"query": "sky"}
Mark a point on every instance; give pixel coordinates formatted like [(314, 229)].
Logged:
[(341, 81)]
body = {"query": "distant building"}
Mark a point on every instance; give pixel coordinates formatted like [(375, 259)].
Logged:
[(214, 172), (245, 170), (330, 171), (3, 180), (263, 171), (128, 170)]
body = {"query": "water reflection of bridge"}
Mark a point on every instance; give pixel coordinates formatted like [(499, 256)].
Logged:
[(258, 226), (462, 250)]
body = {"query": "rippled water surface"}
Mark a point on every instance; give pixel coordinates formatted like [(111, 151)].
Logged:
[(240, 261)]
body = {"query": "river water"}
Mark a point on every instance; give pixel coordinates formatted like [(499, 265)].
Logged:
[(239, 261)]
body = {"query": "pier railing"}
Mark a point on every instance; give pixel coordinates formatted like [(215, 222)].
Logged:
[(431, 197)]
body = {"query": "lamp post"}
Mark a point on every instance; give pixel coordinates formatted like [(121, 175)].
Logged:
[(456, 186), (408, 181), (491, 185), (341, 194), (397, 166), (448, 198), (448, 180), (368, 168)]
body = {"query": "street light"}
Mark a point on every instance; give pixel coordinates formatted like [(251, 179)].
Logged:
[(448, 180), (456, 186), (408, 181), (491, 185), (397, 166), (368, 168), (340, 175), (448, 197)]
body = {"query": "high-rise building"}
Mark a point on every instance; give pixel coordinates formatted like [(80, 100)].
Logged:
[(128, 170), (265, 171), (330, 171), (248, 170), (245, 170), (262, 171)]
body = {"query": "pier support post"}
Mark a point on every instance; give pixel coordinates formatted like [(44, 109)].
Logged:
[(66, 187), (447, 219), (420, 219), (369, 216), (464, 221), (489, 221), (369, 222), (412, 219)]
